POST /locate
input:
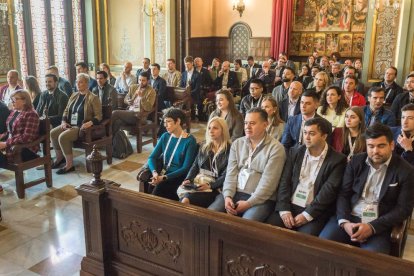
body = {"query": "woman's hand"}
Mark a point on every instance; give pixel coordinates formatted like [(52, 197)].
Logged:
[(156, 180), (65, 125), (86, 125), (2, 145), (185, 182), (203, 187)]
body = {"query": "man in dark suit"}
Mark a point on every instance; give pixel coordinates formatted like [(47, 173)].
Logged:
[(310, 181), (145, 68), (160, 86), (106, 92), (63, 84), (392, 89), (191, 78), (377, 194), (53, 101), (404, 135), (226, 78), (290, 106), (403, 98), (267, 76), (251, 67), (293, 133)]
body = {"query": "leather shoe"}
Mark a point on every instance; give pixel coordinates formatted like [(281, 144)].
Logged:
[(57, 165), (64, 171)]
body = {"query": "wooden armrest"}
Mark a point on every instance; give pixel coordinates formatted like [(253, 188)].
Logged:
[(397, 233), (15, 149), (178, 103)]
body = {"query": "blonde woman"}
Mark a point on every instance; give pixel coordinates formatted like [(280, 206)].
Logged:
[(276, 124), (320, 82), (207, 174)]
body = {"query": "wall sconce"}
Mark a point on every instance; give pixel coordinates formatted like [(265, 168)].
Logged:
[(156, 8), (239, 6)]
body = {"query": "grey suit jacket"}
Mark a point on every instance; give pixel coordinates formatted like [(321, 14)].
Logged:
[(109, 96)]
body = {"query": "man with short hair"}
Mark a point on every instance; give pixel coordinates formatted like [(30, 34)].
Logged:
[(82, 67), (404, 135), (314, 70), (125, 79), (255, 164), (352, 97), (140, 100), (191, 78), (251, 67), (377, 193), (350, 72), (392, 89), (52, 101), (293, 132), (8, 89), (280, 92), (238, 68), (205, 77), (279, 69), (375, 111), (310, 181), (226, 79), (254, 99), (324, 64), (145, 69), (289, 63), (290, 106), (403, 98), (63, 84), (172, 76), (160, 86), (336, 73), (105, 91)]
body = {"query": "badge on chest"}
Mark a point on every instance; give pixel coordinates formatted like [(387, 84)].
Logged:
[(74, 119)]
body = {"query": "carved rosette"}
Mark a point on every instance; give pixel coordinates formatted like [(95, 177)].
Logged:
[(153, 241)]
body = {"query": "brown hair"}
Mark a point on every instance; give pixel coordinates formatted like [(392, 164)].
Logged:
[(277, 120), (23, 94), (360, 145)]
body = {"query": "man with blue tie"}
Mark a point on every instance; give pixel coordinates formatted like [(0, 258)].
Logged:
[(191, 78)]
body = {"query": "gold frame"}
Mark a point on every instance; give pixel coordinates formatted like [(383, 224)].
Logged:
[(372, 50), (12, 36)]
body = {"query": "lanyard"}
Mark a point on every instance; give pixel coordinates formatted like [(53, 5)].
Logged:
[(251, 152), (351, 146), (79, 106), (172, 154), (213, 163), (258, 102)]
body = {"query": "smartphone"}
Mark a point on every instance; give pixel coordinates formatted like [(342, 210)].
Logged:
[(190, 186)]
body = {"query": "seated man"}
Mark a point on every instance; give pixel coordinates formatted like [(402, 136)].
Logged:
[(266, 75), (254, 99), (324, 64), (290, 106), (145, 69), (280, 92), (226, 79), (125, 79), (172, 76), (350, 71), (289, 63), (375, 111), (251, 67), (392, 89), (376, 195), (106, 92), (314, 71), (63, 84), (8, 89), (205, 78), (53, 101), (82, 67), (404, 135), (191, 78), (160, 86), (403, 98), (293, 133), (140, 100), (238, 68), (335, 73), (279, 68), (253, 171), (310, 181), (352, 97)]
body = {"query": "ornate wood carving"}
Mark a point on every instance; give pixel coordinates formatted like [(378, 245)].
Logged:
[(245, 265), (154, 241)]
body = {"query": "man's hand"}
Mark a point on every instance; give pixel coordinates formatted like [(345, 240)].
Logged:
[(229, 205), (405, 142), (220, 73), (2, 145), (86, 125), (363, 233), (288, 220), (348, 226), (242, 206), (139, 91), (123, 75), (300, 220)]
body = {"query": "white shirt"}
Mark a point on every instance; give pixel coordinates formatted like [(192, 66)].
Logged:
[(291, 107), (189, 75), (7, 96), (122, 85)]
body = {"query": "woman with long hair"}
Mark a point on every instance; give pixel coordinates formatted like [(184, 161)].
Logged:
[(227, 110), (105, 67), (305, 72), (311, 61), (276, 124), (206, 176), (32, 86), (320, 82), (332, 106), (215, 68)]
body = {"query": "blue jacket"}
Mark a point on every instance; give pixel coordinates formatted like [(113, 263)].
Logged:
[(290, 137), (194, 83), (160, 85), (384, 116)]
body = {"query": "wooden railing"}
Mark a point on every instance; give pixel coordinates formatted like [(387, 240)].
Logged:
[(132, 233)]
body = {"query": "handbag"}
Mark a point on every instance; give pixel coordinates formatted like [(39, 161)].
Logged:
[(145, 174)]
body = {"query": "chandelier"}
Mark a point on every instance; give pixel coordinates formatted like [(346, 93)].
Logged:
[(239, 6)]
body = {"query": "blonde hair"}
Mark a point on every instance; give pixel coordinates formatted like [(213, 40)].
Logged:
[(23, 94), (225, 141), (325, 78)]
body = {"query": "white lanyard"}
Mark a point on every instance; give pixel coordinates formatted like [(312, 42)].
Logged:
[(251, 152), (351, 146), (258, 103), (79, 106), (175, 149), (213, 163)]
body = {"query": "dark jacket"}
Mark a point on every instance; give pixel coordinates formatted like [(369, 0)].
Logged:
[(194, 83), (64, 85), (383, 116), (396, 198), (55, 104), (203, 161), (406, 155), (399, 101), (141, 70), (109, 96), (160, 86), (326, 186), (391, 92), (205, 78), (284, 109), (4, 113), (232, 81)]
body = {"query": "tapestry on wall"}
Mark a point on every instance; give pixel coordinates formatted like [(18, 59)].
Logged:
[(331, 25)]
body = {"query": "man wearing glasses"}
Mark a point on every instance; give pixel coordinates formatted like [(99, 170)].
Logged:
[(254, 99)]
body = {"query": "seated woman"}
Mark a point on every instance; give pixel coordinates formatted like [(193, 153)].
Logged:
[(332, 106), (227, 110), (320, 82), (305, 73), (83, 110), (349, 140), (31, 84), (209, 170), (276, 124), (22, 128), (177, 150)]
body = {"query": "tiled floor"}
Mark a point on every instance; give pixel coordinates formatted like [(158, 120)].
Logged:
[(43, 234)]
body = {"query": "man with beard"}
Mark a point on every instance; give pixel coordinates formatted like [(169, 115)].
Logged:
[(254, 99), (375, 111), (403, 98), (404, 135), (226, 79), (392, 89), (280, 91), (172, 76), (105, 91)]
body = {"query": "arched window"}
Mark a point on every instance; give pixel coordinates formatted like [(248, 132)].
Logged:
[(240, 34)]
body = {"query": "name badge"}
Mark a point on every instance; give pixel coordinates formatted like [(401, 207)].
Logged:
[(74, 119), (300, 197), (208, 173), (163, 171), (244, 176), (137, 108), (369, 212)]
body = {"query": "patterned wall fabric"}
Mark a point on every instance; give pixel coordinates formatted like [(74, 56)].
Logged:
[(239, 37), (6, 62)]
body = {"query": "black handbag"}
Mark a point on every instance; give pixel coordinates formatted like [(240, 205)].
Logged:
[(144, 174)]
